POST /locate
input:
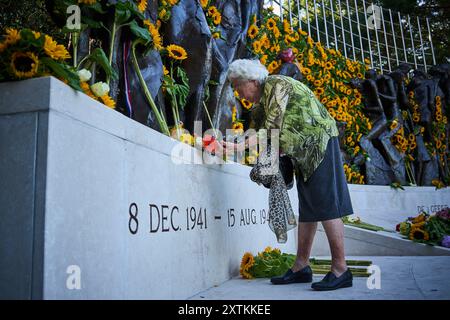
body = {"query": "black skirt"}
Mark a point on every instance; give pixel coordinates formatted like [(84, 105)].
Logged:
[(325, 194)]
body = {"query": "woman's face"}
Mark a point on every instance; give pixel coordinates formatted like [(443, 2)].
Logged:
[(249, 90)]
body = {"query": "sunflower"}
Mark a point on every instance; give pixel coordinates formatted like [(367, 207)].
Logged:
[(394, 125), (90, 2), (12, 36), (204, 3), (142, 5), (263, 59), (216, 35), (257, 47), (246, 104), (272, 66), (176, 52), (270, 24), (54, 50), (247, 262), (187, 138), (24, 65), (217, 18), (157, 41), (418, 234), (165, 71), (87, 90), (252, 31), (238, 126), (276, 32), (212, 11), (107, 101)]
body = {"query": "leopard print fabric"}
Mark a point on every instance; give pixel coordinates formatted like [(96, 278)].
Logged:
[(281, 216)]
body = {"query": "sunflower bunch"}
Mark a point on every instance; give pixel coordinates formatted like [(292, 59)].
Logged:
[(414, 106), (26, 54), (272, 262), (176, 83), (164, 9), (439, 128), (265, 264), (326, 71), (353, 175), (213, 17), (425, 228)]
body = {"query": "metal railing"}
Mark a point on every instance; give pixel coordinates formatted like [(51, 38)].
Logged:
[(361, 30)]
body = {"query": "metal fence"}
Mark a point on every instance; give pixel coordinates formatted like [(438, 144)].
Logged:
[(361, 30)]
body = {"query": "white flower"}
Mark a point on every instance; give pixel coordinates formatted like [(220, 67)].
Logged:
[(84, 75), (100, 89)]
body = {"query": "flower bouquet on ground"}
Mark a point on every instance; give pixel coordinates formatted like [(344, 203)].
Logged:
[(357, 222), (272, 262), (429, 229)]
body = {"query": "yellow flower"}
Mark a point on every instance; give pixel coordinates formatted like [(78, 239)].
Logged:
[(270, 24), (393, 124), (252, 31), (276, 32), (238, 126), (263, 59), (89, 2), (54, 50), (204, 3), (212, 11), (246, 263), (216, 35), (246, 104), (268, 249), (187, 138), (36, 34), (107, 101), (12, 36), (24, 65), (272, 67), (165, 71), (176, 52), (217, 18), (87, 90), (142, 5), (257, 47), (162, 14), (157, 40)]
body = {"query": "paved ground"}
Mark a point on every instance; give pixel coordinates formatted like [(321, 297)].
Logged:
[(410, 278)]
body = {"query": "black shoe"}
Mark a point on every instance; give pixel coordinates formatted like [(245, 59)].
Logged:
[(331, 282), (302, 276)]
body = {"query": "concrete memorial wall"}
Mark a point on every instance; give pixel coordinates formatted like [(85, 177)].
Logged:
[(95, 205)]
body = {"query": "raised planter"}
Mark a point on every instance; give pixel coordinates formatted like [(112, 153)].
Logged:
[(75, 177)]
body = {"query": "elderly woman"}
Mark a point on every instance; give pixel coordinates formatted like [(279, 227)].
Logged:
[(308, 134)]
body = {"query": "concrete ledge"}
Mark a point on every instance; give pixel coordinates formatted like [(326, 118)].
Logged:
[(360, 242)]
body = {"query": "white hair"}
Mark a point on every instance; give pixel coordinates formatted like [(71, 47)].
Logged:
[(246, 69)]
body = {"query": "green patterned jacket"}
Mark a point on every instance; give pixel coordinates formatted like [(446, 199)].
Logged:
[(304, 123)]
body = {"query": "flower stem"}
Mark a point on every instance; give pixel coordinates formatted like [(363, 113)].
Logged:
[(111, 45), (75, 48), (161, 122)]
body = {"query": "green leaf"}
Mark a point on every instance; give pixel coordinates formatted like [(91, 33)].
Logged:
[(139, 31), (63, 71), (97, 6), (99, 56), (92, 23)]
